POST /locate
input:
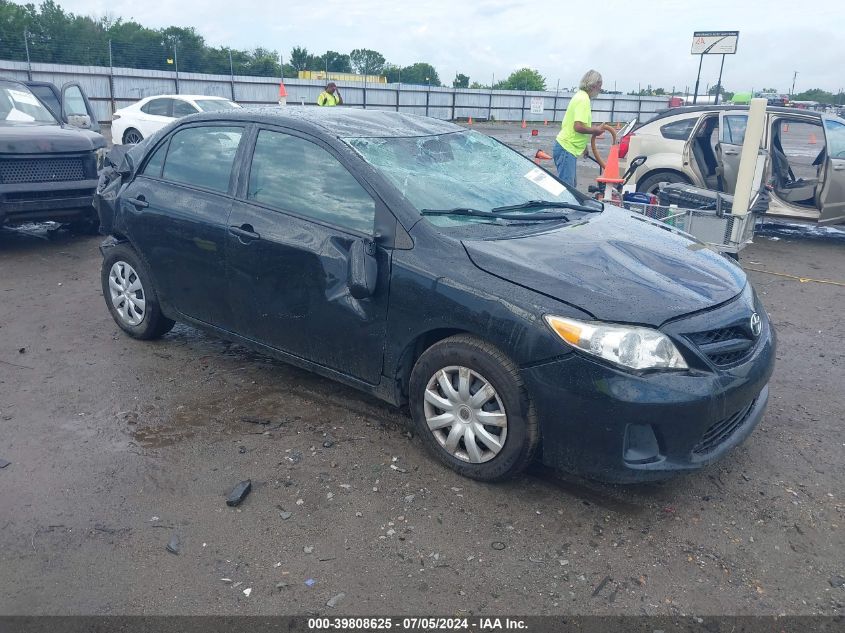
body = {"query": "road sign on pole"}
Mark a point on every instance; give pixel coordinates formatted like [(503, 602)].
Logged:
[(537, 105)]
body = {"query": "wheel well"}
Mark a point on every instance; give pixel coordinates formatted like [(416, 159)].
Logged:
[(128, 130), (413, 351)]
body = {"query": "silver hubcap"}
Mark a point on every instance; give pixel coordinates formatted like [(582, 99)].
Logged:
[(465, 414), (127, 293), (133, 138)]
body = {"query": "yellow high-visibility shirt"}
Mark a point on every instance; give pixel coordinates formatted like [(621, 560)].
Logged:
[(326, 99), (579, 109)]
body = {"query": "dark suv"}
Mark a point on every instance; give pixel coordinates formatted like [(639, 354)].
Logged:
[(49, 155)]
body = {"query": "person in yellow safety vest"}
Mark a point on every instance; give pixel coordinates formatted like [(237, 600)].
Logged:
[(577, 128), (330, 96)]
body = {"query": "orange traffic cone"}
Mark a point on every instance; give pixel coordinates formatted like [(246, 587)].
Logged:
[(786, 127), (546, 122), (611, 168), (283, 93), (469, 121), (541, 155), (524, 124), (812, 139)]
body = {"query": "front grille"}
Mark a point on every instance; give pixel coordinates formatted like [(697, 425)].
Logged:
[(48, 195), (16, 171), (722, 430), (724, 346)]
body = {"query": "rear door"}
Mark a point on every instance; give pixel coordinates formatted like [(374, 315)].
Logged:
[(154, 115), (75, 107), (731, 136), (177, 211), (299, 212), (832, 196)]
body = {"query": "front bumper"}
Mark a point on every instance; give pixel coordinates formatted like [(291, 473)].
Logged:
[(35, 202), (611, 425)]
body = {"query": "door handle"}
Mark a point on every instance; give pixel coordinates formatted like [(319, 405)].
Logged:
[(731, 152), (139, 202), (245, 232), (839, 167)]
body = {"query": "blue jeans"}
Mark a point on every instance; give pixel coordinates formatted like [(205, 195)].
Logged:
[(566, 164)]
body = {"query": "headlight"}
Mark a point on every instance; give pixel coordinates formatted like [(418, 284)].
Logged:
[(631, 347)]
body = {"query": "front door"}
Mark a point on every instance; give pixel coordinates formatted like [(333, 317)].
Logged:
[(731, 136), (178, 210), (290, 236), (832, 196)]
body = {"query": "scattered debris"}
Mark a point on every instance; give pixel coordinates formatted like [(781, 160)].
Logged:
[(285, 515), (225, 580), (396, 468), (295, 457), (4, 463), (328, 444), (409, 499), (601, 585), (498, 545), (242, 449), (308, 549), (299, 502), (174, 544), (837, 581), (310, 582), (247, 591), (239, 493), (335, 600), (281, 585)]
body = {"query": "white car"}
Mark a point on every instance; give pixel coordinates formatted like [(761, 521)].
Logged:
[(134, 123)]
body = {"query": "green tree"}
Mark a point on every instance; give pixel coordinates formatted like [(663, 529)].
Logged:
[(461, 81), (333, 62), (477, 86), (392, 72), (366, 62), (299, 58), (420, 73), (815, 94), (523, 79)]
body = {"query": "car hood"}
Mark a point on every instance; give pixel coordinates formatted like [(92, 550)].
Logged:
[(617, 266), (40, 139)]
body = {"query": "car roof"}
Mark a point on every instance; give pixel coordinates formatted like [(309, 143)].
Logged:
[(725, 108), (338, 122), (184, 97)]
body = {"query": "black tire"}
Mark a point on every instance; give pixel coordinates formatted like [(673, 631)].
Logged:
[(523, 434), (152, 324), (127, 136), (652, 181)]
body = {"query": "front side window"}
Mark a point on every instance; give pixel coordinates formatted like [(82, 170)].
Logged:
[(74, 102), (203, 156), (835, 137), (291, 174), (157, 107), (679, 130), (733, 129), (18, 105), (183, 108)]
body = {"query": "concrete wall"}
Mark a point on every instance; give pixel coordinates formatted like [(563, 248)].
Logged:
[(113, 88)]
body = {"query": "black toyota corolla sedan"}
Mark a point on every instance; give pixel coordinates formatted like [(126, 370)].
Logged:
[(432, 266)]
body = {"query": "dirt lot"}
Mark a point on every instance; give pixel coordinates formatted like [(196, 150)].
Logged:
[(117, 444)]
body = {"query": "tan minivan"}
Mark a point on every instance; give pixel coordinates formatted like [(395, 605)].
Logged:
[(701, 145)]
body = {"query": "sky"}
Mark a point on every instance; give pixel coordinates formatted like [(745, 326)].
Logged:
[(633, 44)]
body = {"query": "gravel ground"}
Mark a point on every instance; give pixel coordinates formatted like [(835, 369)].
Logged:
[(117, 445)]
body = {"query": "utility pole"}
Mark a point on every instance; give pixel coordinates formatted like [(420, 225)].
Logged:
[(28, 61), (176, 63), (719, 84), (792, 92)]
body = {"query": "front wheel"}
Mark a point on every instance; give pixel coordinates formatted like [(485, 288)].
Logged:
[(130, 296), (472, 410)]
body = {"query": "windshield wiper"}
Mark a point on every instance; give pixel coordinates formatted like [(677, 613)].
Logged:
[(546, 204), (495, 214)]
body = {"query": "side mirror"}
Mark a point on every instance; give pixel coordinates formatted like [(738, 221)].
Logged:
[(82, 121), (363, 269)]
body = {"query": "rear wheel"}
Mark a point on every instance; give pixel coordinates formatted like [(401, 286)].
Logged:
[(653, 183), (472, 410), (132, 136), (130, 296)]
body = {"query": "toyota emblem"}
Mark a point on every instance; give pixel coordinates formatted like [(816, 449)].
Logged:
[(756, 324)]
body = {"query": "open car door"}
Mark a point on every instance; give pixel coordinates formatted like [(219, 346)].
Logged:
[(832, 195), (731, 136), (76, 109)]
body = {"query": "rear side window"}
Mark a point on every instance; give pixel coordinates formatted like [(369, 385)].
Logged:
[(158, 107), (153, 166), (734, 129), (292, 174), (679, 130), (183, 108), (202, 156)]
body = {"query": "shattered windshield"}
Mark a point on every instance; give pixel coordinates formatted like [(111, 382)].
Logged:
[(460, 170), (19, 105)]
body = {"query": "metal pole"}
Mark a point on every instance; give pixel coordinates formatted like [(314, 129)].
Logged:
[(28, 61), (427, 95), (111, 78), (554, 104), (454, 97), (176, 63), (398, 92), (697, 79), (719, 83), (794, 76), (232, 73)]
